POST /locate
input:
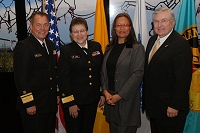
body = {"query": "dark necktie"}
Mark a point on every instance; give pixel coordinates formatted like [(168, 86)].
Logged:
[(84, 49), (44, 49)]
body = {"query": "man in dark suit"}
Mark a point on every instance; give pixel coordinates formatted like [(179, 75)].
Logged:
[(168, 71), (79, 78), (35, 78)]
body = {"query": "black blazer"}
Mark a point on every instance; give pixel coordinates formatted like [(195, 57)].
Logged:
[(167, 77), (79, 73), (35, 75)]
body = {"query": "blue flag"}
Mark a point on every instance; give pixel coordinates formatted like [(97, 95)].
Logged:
[(186, 25), (49, 8)]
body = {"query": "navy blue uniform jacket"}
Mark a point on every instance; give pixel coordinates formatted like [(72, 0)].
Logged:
[(79, 74)]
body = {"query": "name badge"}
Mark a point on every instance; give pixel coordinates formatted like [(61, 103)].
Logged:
[(37, 55), (95, 53), (75, 56)]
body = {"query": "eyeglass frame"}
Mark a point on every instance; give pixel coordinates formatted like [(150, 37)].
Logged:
[(78, 31), (122, 25), (46, 25), (163, 21)]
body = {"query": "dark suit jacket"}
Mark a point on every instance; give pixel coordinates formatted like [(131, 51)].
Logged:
[(128, 76), (35, 75), (79, 74), (167, 77)]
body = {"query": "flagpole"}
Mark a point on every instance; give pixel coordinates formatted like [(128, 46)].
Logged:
[(107, 14), (139, 2), (43, 6), (21, 17)]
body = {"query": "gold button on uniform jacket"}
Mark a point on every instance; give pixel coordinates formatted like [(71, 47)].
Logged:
[(79, 74)]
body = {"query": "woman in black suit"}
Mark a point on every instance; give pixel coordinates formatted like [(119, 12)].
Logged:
[(79, 79), (122, 73)]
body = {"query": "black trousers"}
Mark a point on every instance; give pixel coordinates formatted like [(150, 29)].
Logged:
[(38, 123), (114, 128), (169, 125), (84, 123)]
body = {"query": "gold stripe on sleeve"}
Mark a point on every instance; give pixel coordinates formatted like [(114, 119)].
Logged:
[(27, 98), (68, 99)]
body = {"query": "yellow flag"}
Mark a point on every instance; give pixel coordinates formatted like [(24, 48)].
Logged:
[(100, 26), (100, 124)]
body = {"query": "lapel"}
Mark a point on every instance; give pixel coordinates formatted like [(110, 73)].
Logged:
[(39, 47), (149, 46), (90, 48), (159, 52), (78, 49), (49, 49), (124, 53), (104, 63), (122, 56)]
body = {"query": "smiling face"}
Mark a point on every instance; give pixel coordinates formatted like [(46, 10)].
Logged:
[(163, 24), (122, 28), (79, 34), (40, 27)]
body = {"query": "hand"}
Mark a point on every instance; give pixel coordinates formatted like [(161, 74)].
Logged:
[(115, 98), (172, 112), (108, 97), (73, 111), (101, 101), (31, 110)]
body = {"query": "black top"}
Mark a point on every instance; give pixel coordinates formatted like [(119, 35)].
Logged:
[(111, 64)]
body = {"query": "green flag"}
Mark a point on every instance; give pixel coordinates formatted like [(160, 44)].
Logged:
[(186, 25)]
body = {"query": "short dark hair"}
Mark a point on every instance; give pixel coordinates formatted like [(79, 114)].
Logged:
[(38, 13), (77, 21), (131, 38)]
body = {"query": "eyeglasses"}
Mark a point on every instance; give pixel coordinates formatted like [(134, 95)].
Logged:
[(163, 21), (122, 25), (77, 31), (44, 25)]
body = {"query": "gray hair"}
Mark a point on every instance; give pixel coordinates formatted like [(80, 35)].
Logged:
[(42, 14), (162, 9)]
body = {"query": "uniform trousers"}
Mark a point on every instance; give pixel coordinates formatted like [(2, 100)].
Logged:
[(115, 128), (39, 122), (168, 125), (84, 123)]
